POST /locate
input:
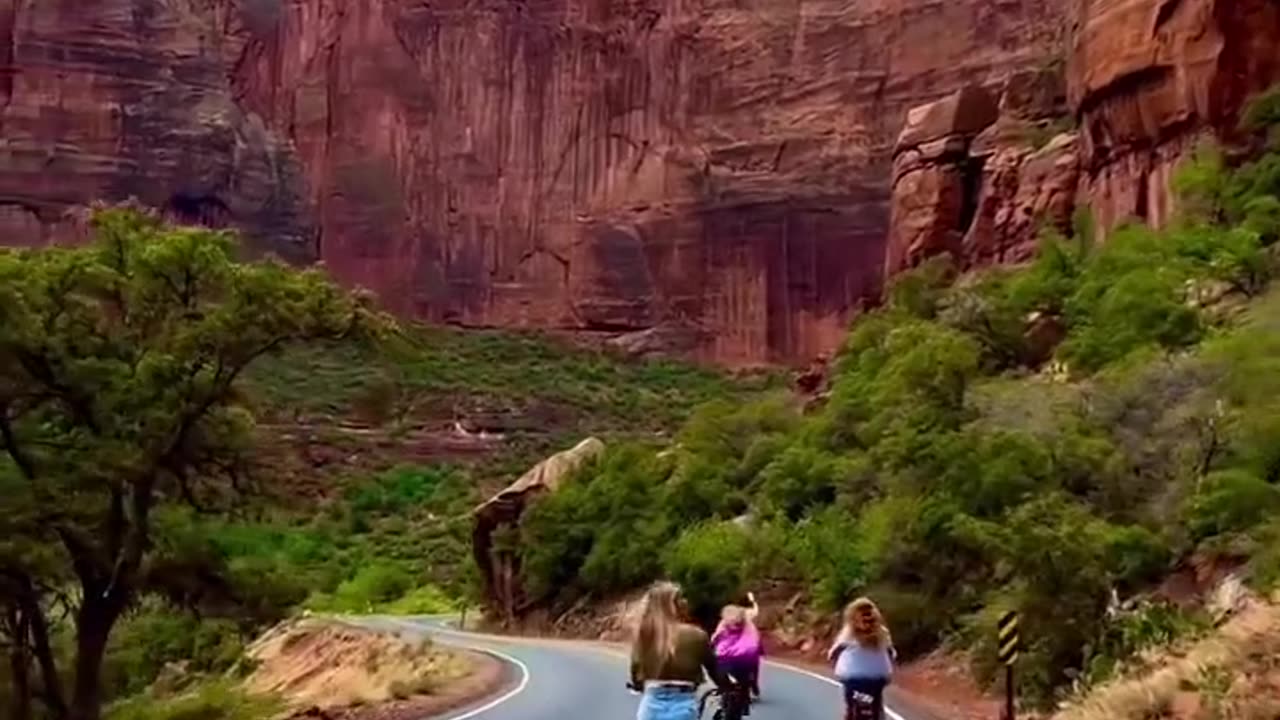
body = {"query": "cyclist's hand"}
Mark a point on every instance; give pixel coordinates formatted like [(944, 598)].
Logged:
[(752, 597)]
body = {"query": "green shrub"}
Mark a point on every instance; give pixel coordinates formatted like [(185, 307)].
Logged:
[(1131, 294), (1230, 501), (599, 531), (156, 635), (1130, 631), (802, 477), (404, 487), (212, 700), (1264, 566), (709, 561), (370, 588), (825, 547), (424, 600)]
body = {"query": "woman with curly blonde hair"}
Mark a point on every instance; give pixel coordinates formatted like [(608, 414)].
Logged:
[(863, 655)]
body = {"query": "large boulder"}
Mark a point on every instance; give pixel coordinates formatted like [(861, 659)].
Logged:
[(931, 203), (977, 177), (499, 565)]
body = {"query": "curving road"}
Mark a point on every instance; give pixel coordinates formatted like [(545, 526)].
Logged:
[(567, 680)]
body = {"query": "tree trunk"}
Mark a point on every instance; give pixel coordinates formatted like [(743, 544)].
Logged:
[(33, 614), (20, 666), (50, 681), (93, 627)]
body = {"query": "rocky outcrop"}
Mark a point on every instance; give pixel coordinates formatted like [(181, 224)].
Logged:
[(934, 176), (499, 564), (1148, 78), (1145, 81), (977, 177), (114, 99)]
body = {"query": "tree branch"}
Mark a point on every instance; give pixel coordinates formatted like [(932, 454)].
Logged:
[(24, 463)]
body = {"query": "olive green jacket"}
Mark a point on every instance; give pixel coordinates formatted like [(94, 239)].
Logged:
[(693, 655)]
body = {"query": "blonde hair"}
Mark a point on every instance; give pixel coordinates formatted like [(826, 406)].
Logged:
[(862, 619), (733, 616), (655, 641)]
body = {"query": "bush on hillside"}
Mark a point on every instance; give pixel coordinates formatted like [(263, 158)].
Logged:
[(369, 588), (824, 545), (709, 561), (155, 636), (210, 700), (952, 479), (1230, 501)]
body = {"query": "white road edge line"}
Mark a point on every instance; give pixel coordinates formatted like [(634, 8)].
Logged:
[(893, 715), (783, 666), (519, 688)]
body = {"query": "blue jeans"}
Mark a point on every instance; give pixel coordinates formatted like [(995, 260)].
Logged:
[(667, 703)]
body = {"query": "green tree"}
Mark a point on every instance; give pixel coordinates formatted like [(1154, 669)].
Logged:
[(119, 370)]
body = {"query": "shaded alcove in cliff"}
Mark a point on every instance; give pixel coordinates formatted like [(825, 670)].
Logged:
[(971, 177), (203, 210)]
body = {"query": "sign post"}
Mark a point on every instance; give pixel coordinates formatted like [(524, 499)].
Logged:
[(1009, 641)]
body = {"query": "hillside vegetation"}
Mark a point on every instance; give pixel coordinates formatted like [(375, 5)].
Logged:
[(1031, 438), (155, 396)]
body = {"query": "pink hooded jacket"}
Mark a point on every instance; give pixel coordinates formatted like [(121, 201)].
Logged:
[(737, 643)]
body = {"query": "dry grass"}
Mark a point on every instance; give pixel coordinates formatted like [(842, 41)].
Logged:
[(1232, 675), (328, 664)]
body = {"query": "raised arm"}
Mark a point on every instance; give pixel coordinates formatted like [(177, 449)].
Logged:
[(754, 611)]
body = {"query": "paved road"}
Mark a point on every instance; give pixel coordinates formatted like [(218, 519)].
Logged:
[(564, 680)]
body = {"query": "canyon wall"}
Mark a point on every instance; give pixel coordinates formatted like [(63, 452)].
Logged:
[(720, 167), (979, 173), (731, 177), (112, 99)]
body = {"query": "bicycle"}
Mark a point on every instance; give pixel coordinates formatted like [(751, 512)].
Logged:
[(732, 703), (862, 706)]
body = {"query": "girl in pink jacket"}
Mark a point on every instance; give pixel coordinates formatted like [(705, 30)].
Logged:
[(737, 644)]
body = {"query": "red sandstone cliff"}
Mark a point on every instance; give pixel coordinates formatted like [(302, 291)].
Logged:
[(720, 166), (713, 172), (978, 173), (1149, 78)]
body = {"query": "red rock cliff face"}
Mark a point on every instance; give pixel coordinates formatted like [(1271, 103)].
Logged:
[(719, 166), (1148, 78), (108, 99)]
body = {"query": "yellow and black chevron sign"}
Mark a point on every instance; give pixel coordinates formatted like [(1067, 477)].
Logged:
[(1010, 641)]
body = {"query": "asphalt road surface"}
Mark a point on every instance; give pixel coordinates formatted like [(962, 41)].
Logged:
[(566, 680)]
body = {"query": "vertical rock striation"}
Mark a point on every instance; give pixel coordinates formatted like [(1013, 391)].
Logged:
[(706, 169), (111, 99), (1149, 78), (729, 178)]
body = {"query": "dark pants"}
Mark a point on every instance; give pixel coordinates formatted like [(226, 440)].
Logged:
[(744, 672), (870, 687)]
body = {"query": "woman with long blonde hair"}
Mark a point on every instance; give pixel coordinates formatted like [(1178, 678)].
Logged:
[(863, 655), (669, 657)]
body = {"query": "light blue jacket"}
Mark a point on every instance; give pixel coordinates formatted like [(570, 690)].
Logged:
[(857, 662)]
